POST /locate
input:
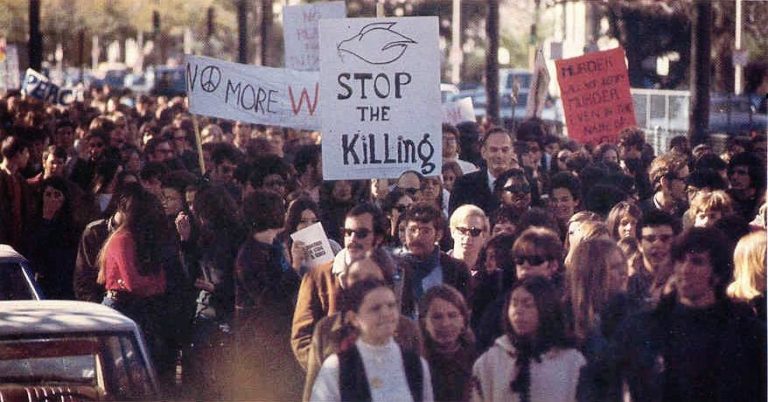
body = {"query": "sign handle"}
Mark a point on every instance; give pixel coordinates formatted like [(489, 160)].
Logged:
[(199, 143)]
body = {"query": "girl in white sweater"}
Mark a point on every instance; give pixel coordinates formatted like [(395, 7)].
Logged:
[(533, 361), (373, 368)]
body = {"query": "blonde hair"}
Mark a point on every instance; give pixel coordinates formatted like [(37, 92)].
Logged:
[(465, 211), (587, 282), (717, 200), (749, 259)]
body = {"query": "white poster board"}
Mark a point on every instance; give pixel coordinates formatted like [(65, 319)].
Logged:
[(301, 33), (380, 81), (458, 111), (317, 248), (254, 94), (9, 69)]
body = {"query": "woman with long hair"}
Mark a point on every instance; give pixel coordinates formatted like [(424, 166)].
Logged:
[(374, 367), (749, 260), (533, 360), (52, 239), (133, 260), (449, 344), (622, 220), (302, 212)]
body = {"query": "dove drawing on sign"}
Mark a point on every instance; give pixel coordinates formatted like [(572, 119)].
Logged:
[(376, 43)]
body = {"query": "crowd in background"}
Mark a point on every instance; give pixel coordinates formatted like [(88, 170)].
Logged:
[(533, 268)]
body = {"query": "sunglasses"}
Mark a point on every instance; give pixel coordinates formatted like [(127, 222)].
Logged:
[(532, 259), (473, 231), (359, 233), (652, 238), (518, 188)]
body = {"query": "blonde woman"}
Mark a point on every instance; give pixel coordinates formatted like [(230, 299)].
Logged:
[(749, 261)]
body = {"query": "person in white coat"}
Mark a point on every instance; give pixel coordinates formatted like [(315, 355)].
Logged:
[(374, 367), (533, 361)]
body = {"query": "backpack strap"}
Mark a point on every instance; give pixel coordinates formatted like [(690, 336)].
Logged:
[(414, 374), (353, 382)]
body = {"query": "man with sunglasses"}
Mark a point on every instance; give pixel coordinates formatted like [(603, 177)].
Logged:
[(364, 229), (469, 231), (655, 232), (477, 187), (425, 264)]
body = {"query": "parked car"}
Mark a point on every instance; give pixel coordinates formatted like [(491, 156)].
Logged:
[(17, 281), (167, 81), (55, 350)]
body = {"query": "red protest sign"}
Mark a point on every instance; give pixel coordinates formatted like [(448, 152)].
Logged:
[(595, 94)]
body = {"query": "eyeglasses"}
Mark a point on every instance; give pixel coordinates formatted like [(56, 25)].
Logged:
[(359, 233), (652, 238), (473, 231), (401, 208), (518, 188), (532, 259)]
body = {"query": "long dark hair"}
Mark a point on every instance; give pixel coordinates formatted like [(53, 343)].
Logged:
[(550, 333), (144, 219), (217, 212)]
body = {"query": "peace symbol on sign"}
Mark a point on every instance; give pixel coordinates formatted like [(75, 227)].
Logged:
[(210, 78)]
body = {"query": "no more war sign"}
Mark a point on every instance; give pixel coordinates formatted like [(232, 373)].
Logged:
[(380, 85), (261, 95)]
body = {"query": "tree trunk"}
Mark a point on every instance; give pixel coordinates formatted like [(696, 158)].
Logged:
[(701, 44), (35, 37), (492, 64), (242, 31)]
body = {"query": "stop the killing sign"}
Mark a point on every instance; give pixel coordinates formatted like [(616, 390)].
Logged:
[(596, 98)]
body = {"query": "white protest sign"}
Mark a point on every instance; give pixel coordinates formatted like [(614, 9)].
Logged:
[(261, 95), (380, 81), (40, 87), (301, 33), (537, 95), (317, 248), (458, 111), (9, 69)]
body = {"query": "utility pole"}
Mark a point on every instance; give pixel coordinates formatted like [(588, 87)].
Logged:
[(492, 63), (739, 69), (455, 53), (701, 45), (242, 32), (35, 37)]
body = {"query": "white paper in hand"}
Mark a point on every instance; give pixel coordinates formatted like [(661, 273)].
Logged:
[(317, 249)]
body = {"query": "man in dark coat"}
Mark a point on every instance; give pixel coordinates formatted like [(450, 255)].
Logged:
[(477, 187), (696, 345)]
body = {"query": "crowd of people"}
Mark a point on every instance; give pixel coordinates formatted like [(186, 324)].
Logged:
[(533, 268)]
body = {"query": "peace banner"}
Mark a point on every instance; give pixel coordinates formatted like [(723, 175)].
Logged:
[(301, 33), (380, 84), (39, 87), (254, 94), (596, 97)]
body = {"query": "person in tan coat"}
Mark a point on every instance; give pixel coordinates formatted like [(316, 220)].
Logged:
[(365, 226)]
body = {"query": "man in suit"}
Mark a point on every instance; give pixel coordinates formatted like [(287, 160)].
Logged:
[(425, 265), (477, 188)]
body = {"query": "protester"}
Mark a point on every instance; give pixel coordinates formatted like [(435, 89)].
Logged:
[(427, 266), (533, 360), (655, 233), (375, 367), (15, 197), (469, 230), (364, 229), (449, 344), (336, 333), (695, 345), (749, 262), (622, 220)]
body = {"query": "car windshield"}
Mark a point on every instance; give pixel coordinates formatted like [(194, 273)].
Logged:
[(13, 283), (111, 363)]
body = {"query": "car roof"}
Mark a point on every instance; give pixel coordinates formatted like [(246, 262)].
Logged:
[(30, 317), (8, 254)]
